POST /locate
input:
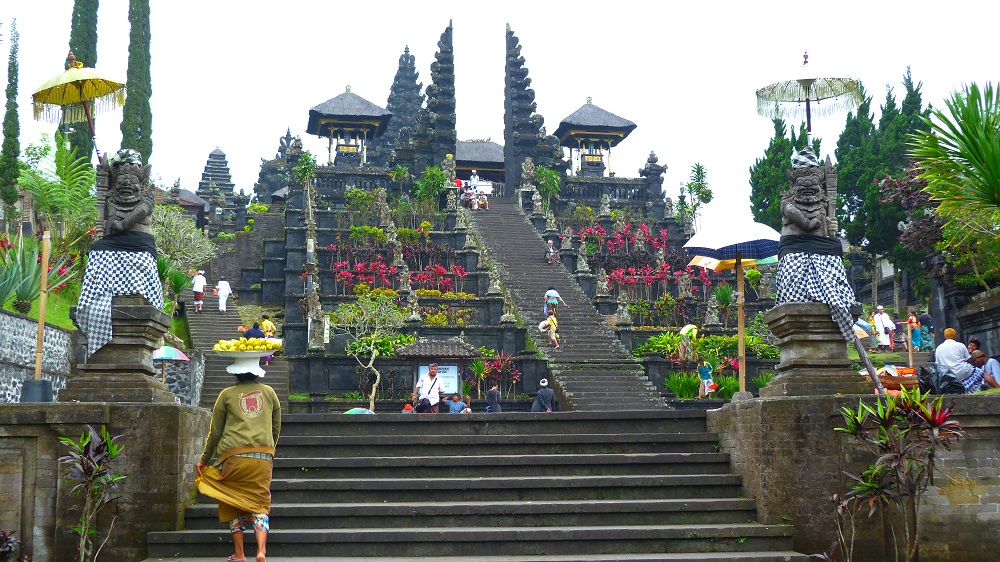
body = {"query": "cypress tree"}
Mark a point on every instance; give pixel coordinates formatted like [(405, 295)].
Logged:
[(768, 175), (137, 119), (855, 154), (10, 167), (83, 43)]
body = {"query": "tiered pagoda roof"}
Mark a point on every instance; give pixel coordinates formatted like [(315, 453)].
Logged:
[(347, 112), (591, 122)]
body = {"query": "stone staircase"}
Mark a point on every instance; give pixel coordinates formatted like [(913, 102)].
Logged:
[(208, 328), (591, 370), (573, 486)]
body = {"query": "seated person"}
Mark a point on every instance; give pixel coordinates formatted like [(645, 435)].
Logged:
[(990, 367), (951, 355), (483, 203), (551, 253), (467, 199), (254, 331), (456, 406)]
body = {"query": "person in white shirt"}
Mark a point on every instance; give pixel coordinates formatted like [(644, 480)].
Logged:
[(951, 355), (429, 387), (224, 289), (474, 181), (884, 327), (198, 288)]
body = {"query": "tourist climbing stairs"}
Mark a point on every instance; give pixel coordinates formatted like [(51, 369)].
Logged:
[(574, 486), (206, 329), (591, 369)]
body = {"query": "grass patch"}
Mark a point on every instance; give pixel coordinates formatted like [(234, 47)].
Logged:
[(179, 328), (298, 396), (878, 359), (57, 307)]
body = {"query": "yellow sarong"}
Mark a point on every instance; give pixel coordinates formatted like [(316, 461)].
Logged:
[(242, 486)]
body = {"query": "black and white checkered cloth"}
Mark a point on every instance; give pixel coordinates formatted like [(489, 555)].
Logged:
[(806, 277), (111, 274)]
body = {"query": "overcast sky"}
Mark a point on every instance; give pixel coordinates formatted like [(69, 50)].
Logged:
[(235, 75)]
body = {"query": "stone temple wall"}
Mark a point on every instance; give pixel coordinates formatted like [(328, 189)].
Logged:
[(247, 250), (19, 335), (792, 461)]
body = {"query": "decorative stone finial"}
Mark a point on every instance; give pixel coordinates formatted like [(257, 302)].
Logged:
[(414, 306), (603, 290), (605, 210), (494, 288), (348, 88), (567, 239), (581, 261), (508, 309), (624, 317), (590, 100), (536, 203), (452, 200), (712, 311)]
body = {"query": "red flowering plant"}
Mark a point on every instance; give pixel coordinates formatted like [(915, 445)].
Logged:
[(903, 435), (501, 371)]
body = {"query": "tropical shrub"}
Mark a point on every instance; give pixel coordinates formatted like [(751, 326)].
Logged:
[(683, 385)]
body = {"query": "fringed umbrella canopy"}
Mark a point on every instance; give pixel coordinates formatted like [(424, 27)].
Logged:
[(62, 99), (794, 98)]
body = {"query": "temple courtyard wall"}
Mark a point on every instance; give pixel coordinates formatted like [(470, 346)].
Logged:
[(792, 461), (19, 336), (162, 443)]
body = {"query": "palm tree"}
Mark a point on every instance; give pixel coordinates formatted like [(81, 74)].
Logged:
[(960, 153), (400, 174)]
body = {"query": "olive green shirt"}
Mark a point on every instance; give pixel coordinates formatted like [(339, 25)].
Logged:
[(246, 418)]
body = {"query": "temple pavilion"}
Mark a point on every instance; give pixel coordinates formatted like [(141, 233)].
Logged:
[(589, 133), (348, 122)]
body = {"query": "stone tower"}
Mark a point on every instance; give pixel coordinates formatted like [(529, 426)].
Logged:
[(405, 101), (524, 130), (216, 176), (436, 135)]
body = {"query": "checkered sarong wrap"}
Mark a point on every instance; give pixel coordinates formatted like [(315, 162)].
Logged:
[(806, 277), (111, 274)]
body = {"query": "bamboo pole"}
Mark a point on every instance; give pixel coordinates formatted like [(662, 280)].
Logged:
[(41, 305), (740, 324), (909, 342)]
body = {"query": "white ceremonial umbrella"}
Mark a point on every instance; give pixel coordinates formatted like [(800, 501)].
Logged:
[(747, 239)]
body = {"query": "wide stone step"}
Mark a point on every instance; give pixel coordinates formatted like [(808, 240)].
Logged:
[(523, 465), (478, 541), (404, 515), (448, 445), (743, 556), (524, 425)]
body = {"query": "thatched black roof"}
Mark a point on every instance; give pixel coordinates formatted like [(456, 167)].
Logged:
[(347, 109), (477, 152), (453, 348), (593, 120)]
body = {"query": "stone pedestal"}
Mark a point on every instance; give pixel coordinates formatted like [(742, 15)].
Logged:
[(814, 358), (606, 305), (122, 370), (568, 259), (450, 219), (587, 282), (538, 221)]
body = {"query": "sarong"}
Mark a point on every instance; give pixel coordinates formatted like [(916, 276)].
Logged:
[(242, 486), (810, 277)]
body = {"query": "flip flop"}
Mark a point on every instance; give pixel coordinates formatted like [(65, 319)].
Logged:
[(232, 558)]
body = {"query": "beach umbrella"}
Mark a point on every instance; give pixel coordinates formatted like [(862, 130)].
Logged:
[(76, 95), (167, 353), (725, 265), (359, 411), (737, 241), (792, 98)]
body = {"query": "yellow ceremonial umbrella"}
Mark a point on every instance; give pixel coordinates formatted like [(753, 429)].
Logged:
[(74, 95), (725, 265)]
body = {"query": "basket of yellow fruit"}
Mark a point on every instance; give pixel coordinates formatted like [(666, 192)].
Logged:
[(246, 353)]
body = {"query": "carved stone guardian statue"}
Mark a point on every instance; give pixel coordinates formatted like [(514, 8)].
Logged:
[(603, 290), (605, 210), (684, 285), (567, 239), (536, 203)]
